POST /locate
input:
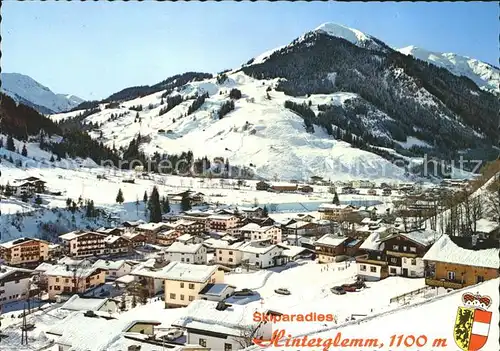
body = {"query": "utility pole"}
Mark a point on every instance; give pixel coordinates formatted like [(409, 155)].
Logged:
[(24, 329)]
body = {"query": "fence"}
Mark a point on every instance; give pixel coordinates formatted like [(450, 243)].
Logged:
[(409, 294)]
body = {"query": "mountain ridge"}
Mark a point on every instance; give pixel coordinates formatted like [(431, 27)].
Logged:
[(22, 88)]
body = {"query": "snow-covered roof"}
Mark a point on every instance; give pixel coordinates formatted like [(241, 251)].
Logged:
[(125, 279), (109, 265), (445, 250), (84, 338), (250, 227), (298, 224), (331, 240), (189, 272), (178, 271), (183, 222), (422, 237), (484, 225), (70, 272), (184, 248), (256, 247), (216, 243), (292, 251), (72, 235), (373, 242), (221, 217), (7, 270), (203, 315), (44, 266), (18, 241), (112, 238), (184, 237), (151, 226), (76, 303)]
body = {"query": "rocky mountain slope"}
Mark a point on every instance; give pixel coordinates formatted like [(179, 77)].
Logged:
[(26, 90), (335, 102)]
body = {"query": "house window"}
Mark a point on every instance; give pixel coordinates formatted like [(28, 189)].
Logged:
[(413, 274), (404, 248), (191, 286), (395, 247), (182, 297), (413, 249), (203, 342), (394, 260), (230, 260), (413, 261), (230, 252), (451, 275), (362, 267), (187, 260), (182, 285), (393, 270), (182, 259), (479, 279), (220, 258), (191, 298), (257, 255), (228, 347), (373, 269), (172, 296)]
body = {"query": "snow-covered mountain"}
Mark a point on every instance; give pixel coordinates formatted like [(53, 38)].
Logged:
[(354, 106), (483, 74), (28, 91)]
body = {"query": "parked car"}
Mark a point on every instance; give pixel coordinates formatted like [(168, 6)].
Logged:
[(349, 288), (172, 335), (338, 290), (244, 292), (282, 291)]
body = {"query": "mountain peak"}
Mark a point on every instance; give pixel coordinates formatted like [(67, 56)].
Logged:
[(337, 30), (23, 88)]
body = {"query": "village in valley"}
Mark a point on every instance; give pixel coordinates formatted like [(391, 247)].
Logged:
[(187, 269)]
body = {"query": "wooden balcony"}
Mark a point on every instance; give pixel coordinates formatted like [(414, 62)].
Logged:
[(445, 283)]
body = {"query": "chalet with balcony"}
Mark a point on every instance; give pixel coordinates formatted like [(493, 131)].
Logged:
[(404, 252), (335, 212), (15, 284), (188, 227), (150, 230), (372, 265), (331, 247), (167, 237), (84, 244), (457, 262), (219, 222), (136, 239), (116, 245), (24, 251), (65, 279)]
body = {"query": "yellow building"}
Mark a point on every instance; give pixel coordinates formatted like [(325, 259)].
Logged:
[(64, 279), (24, 251), (184, 281)]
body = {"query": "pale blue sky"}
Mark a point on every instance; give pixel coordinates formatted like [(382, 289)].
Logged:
[(93, 49)]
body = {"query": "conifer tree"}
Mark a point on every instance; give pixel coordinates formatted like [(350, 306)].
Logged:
[(119, 197), (165, 205), (145, 198), (265, 211), (336, 200), (24, 152), (185, 202), (10, 143), (154, 206)]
